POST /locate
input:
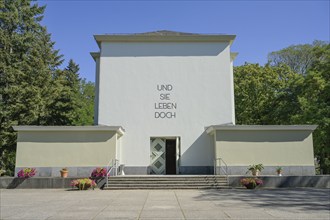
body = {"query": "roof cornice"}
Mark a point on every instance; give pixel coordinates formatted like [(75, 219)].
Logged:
[(233, 55), (95, 55), (164, 38)]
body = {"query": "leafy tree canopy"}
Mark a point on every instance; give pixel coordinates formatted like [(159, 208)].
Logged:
[(295, 92), (299, 58)]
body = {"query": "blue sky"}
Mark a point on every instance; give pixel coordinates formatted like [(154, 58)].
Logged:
[(261, 26)]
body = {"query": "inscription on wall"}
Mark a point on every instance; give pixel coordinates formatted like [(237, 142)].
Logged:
[(165, 107)]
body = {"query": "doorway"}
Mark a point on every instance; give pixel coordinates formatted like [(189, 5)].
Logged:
[(164, 156), (170, 156)]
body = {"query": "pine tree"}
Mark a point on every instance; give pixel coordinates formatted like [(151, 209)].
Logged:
[(65, 96), (28, 63)]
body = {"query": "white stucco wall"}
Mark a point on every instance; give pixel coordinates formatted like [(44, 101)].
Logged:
[(201, 76)]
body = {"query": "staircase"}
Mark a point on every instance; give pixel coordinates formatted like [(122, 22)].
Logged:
[(167, 182)]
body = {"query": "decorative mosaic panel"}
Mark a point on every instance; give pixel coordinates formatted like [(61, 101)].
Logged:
[(157, 155)]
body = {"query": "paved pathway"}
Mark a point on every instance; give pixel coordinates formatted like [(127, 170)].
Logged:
[(56, 204)]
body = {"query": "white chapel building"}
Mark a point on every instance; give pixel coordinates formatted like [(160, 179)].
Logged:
[(165, 105)]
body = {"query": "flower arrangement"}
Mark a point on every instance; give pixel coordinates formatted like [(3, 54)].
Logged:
[(99, 172), (26, 172), (83, 184), (251, 183)]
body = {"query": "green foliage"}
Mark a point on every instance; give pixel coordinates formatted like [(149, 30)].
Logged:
[(62, 108), (265, 95), (300, 58), (27, 61), (314, 102), (278, 95), (86, 98), (33, 89), (255, 168)]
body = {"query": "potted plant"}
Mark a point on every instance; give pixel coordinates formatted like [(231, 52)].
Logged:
[(279, 171), (251, 183), (255, 169), (26, 172), (83, 184), (64, 172)]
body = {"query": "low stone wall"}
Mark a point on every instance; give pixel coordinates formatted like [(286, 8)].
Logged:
[(41, 182), (317, 181)]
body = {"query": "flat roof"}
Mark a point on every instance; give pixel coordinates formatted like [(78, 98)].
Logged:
[(228, 127), (164, 36), (117, 129)]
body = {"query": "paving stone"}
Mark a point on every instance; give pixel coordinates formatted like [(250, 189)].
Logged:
[(74, 215), (159, 207), (299, 215), (116, 207), (257, 213), (117, 214), (28, 215), (209, 214), (286, 204), (155, 214)]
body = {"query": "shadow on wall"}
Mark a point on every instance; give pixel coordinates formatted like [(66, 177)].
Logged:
[(15, 183), (198, 158), (262, 136), (162, 49)]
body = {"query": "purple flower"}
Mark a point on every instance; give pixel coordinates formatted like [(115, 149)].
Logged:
[(99, 172), (26, 172)]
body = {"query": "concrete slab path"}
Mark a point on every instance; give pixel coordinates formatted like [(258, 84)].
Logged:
[(56, 204)]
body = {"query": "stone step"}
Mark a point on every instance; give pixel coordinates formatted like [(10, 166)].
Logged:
[(167, 182), (167, 176), (167, 187), (166, 179)]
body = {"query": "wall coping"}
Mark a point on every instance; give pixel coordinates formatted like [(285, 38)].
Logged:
[(118, 129), (212, 128)]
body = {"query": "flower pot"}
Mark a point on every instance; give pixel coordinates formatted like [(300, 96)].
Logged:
[(255, 172), (279, 173), (64, 173)]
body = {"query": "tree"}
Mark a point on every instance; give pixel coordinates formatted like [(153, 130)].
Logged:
[(73, 98), (265, 95), (314, 101), (86, 100), (27, 63), (298, 57), (65, 92), (33, 88), (278, 95)]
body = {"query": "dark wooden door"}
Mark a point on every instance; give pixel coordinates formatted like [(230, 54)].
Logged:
[(170, 156)]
